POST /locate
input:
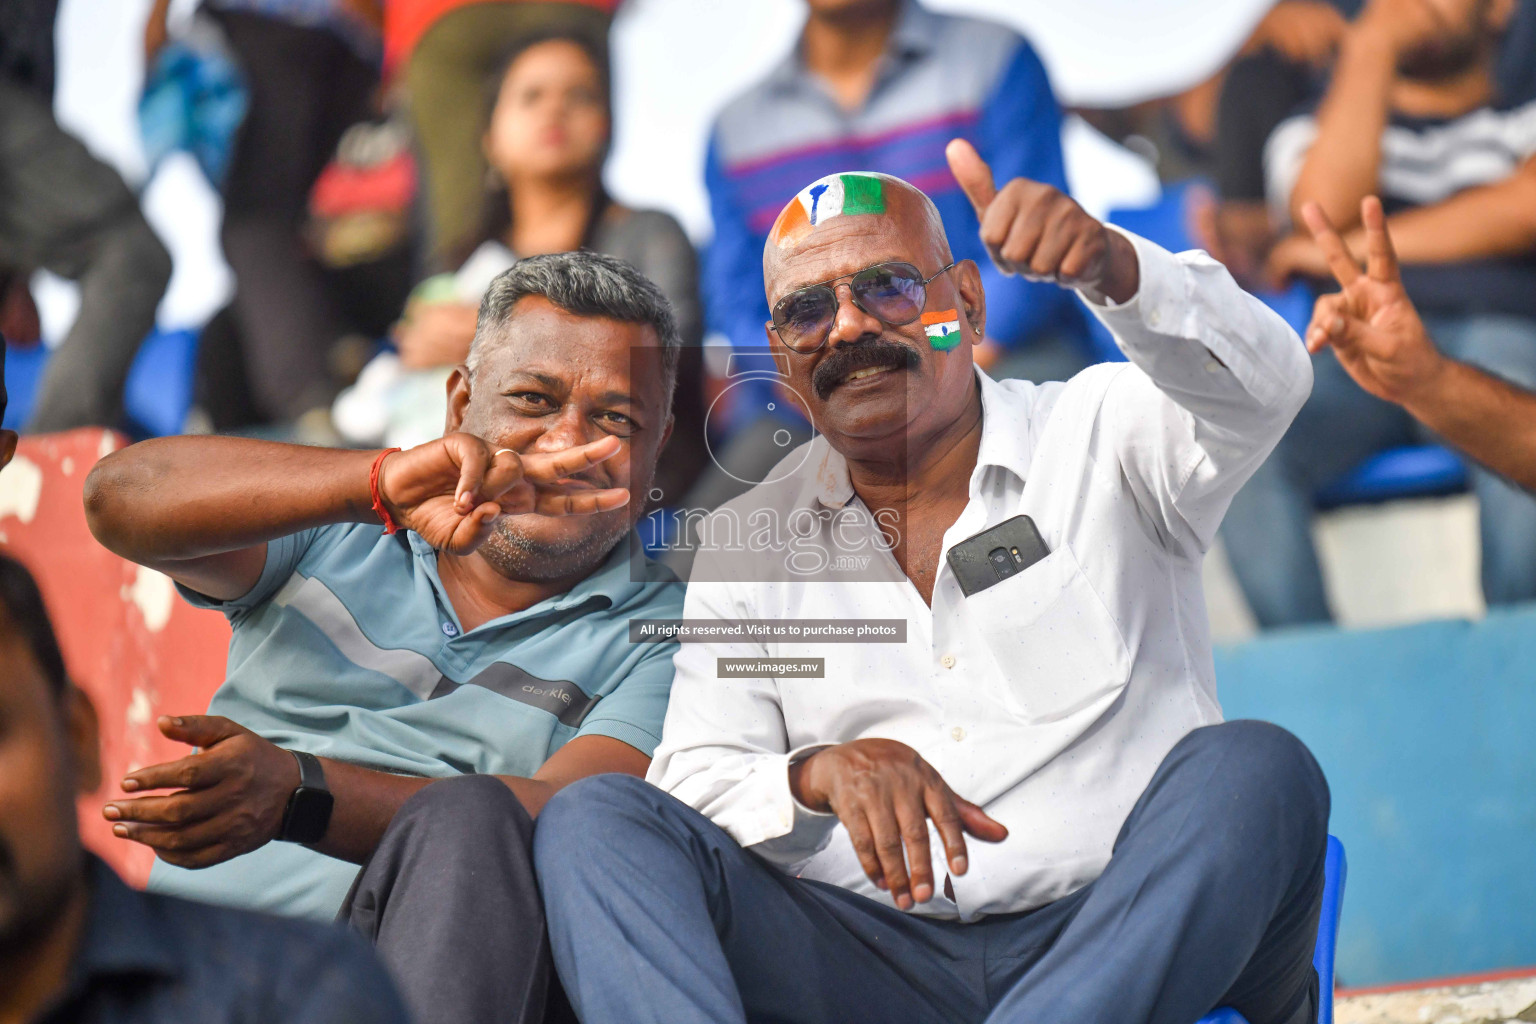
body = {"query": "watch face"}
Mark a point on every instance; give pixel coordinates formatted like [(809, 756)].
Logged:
[(309, 814)]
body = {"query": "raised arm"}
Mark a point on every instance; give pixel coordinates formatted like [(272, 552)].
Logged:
[(1373, 328), (201, 509), (1343, 163), (1221, 376)]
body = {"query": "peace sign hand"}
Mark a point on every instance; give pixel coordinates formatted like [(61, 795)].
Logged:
[(1371, 324), (451, 490)]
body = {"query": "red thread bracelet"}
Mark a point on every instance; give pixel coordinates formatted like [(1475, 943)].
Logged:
[(390, 526)]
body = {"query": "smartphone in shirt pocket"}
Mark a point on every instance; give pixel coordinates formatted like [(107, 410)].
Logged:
[(1056, 647)]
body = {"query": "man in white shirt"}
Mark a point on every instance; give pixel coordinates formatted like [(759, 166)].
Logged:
[(802, 855)]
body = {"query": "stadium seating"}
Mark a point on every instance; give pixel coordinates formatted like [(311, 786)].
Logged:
[(1335, 869), (158, 394), (130, 642)]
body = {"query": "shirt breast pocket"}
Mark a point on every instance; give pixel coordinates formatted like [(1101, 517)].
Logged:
[(1057, 648)]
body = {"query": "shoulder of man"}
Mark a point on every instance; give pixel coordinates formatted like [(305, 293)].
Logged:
[(278, 962)]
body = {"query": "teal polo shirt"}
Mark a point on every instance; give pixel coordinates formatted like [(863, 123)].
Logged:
[(349, 648)]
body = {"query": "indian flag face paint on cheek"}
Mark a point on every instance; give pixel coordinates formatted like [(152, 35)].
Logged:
[(942, 328), (836, 195)]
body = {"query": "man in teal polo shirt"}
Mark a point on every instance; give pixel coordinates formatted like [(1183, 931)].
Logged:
[(487, 637)]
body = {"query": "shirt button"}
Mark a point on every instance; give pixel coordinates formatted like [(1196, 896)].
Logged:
[(948, 661), (1213, 366), (1153, 319), (958, 733), (449, 629)]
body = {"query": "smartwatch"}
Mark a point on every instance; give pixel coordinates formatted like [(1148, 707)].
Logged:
[(309, 808)]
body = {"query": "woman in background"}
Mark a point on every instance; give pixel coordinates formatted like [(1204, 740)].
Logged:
[(546, 139)]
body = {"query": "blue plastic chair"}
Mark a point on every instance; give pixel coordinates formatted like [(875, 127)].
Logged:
[(1419, 471), (156, 398), (1334, 871)]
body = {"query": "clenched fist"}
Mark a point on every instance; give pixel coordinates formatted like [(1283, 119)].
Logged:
[(450, 490), (1036, 230)]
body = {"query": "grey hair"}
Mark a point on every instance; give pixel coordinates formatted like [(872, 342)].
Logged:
[(586, 284)]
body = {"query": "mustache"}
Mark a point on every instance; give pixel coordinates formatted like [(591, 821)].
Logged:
[(845, 360)]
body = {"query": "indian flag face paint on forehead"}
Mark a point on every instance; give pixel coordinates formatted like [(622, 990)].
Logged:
[(836, 195), (942, 328)]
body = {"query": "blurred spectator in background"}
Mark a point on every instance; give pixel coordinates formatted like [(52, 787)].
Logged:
[(1413, 113), (545, 132), (64, 210), (76, 944), (444, 51), (883, 85), (1282, 70), (311, 68), (1381, 342), (1283, 66)]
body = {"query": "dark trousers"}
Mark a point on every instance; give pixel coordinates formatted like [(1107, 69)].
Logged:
[(449, 900), (63, 209), (306, 88), (1211, 898)]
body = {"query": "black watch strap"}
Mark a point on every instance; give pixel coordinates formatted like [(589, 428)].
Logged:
[(311, 775), (309, 808)]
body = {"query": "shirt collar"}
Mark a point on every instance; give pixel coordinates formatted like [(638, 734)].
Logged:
[(1006, 441), (1006, 429), (122, 935), (912, 36)]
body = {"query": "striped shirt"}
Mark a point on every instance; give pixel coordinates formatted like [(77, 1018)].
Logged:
[(941, 77), (1425, 161), (349, 648)]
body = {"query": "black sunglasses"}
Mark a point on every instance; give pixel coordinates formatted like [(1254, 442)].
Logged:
[(893, 293)]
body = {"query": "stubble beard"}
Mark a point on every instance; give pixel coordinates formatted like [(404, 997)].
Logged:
[(519, 557)]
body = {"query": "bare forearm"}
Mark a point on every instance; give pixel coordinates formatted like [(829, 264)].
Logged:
[(178, 498), (1342, 166), (1489, 419), (1480, 223)]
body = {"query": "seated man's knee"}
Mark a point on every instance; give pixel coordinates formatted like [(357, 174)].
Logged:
[(1265, 765), (465, 806), (589, 816)]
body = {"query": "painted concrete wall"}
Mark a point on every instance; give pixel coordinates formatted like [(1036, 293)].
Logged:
[(1428, 736)]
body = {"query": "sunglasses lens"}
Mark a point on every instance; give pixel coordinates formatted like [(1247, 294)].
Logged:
[(893, 292), (803, 317)]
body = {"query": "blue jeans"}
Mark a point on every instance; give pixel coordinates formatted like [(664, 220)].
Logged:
[(1268, 528), (1211, 898)]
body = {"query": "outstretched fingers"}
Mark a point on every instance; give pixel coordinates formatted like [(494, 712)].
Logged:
[(1380, 257), (579, 503), (548, 467), (1345, 270)]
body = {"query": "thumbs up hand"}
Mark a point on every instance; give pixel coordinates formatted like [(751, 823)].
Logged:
[(1037, 231)]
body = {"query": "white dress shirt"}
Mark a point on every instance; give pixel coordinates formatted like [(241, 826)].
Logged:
[(1051, 697)]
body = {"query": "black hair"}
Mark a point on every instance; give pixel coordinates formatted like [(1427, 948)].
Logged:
[(23, 613), (494, 222)]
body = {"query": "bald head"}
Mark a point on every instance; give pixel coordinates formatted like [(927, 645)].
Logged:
[(859, 202)]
